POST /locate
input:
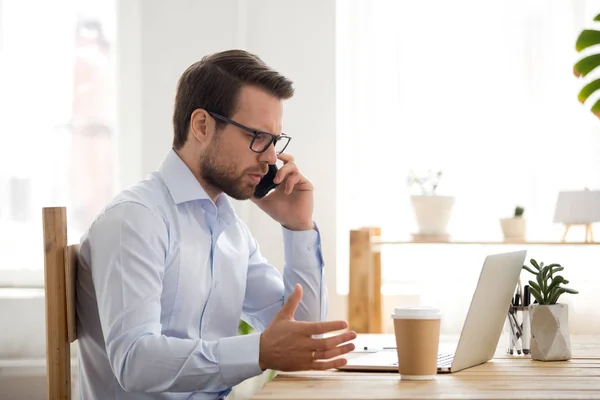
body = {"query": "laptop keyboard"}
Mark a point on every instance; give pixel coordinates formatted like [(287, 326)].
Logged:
[(444, 360)]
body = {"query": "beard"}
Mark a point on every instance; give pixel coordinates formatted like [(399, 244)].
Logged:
[(221, 174)]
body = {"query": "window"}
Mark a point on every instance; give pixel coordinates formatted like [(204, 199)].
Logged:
[(57, 118), (482, 90)]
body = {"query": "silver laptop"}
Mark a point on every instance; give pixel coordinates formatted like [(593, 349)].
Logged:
[(482, 327)]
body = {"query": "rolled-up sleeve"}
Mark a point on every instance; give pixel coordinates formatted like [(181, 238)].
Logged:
[(267, 289), (128, 249)]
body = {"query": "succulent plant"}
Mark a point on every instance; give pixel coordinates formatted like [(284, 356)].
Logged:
[(519, 211), (427, 183), (546, 289)]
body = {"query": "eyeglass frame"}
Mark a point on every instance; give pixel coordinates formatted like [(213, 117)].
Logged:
[(255, 132)]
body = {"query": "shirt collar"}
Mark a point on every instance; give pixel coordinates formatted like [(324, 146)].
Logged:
[(183, 186)]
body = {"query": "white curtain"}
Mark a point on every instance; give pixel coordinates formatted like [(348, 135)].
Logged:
[(483, 90)]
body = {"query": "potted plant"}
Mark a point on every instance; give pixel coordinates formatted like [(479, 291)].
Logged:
[(549, 320), (588, 38), (244, 328), (432, 211), (513, 228)]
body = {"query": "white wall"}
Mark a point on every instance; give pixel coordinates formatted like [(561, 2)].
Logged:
[(157, 41), (296, 38)]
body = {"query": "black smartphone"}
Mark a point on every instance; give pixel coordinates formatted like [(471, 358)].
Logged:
[(266, 184)]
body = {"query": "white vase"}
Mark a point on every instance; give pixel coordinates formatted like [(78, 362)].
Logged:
[(550, 340), (513, 229), (432, 213)]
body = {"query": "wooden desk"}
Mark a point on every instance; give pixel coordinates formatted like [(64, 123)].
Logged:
[(504, 377)]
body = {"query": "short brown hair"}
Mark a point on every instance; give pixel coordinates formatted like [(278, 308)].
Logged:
[(214, 83)]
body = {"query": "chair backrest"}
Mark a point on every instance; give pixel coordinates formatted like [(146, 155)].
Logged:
[(60, 268)]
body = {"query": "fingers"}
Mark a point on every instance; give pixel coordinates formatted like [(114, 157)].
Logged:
[(318, 328), (333, 341), (290, 174), (287, 170), (291, 182), (286, 157), (335, 352), (323, 365), (289, 308)]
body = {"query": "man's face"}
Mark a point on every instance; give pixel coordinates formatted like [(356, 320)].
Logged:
[(228, 163)]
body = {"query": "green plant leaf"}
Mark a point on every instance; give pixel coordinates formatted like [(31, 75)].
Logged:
[(597, 17), (558, 292), (244, 328), (586, 65), (540, 287), (554, 268), (555, 296), (557, 268), (535, 264), (525, 267), (587, 90), (550, 295), (555, 282), (596, 109), (587, 38), (537, 295), (535, 286), (545, 271)]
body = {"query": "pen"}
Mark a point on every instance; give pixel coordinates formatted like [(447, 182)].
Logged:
[(516, 331), (518, 334), (516, 328), (526, 322), (509, 349), (517, 296), (511, 331), (512, 341), (366, 348)]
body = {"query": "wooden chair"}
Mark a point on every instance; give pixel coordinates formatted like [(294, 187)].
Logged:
[(60, 262)]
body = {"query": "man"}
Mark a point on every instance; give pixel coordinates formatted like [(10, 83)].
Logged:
[(168, 269)]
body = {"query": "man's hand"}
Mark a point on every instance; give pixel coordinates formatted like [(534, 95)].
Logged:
[(288, 345), (291, 203)]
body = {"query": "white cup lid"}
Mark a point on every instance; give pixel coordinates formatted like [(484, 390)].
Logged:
[(420, 312)]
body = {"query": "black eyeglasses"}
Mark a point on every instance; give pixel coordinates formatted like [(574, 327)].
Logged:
[(261, 140)]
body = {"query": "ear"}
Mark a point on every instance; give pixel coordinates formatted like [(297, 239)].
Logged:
[(202, 126)]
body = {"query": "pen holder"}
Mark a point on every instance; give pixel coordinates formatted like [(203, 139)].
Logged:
[(519, 334)]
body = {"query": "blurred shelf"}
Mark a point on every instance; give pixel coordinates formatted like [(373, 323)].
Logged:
[(379, 241), (364, 296)]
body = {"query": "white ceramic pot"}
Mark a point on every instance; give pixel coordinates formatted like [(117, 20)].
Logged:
[(432, 213), (550, 340), (513, 229)]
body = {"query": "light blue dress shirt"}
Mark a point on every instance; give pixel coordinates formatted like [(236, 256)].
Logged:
[(165, 276)]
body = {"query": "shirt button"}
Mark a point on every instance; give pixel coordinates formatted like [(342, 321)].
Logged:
[(309, 248)]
